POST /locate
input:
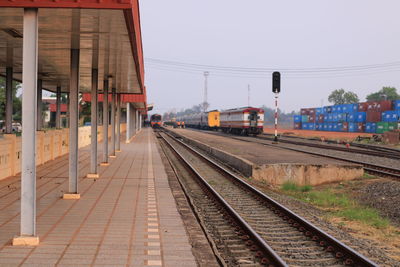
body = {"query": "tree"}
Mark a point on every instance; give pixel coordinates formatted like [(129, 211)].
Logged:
[(340, 96), (17, 103), (386, 93)]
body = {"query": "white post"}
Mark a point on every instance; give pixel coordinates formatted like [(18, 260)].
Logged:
[(29, 114), (276, 118)]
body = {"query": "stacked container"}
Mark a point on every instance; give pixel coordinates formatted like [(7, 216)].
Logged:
[(369, 117)]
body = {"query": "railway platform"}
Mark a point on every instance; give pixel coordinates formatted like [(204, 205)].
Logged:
[(126, 217), (271, 164)]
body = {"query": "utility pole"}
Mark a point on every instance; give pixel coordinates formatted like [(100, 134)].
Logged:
[(205, 104), (248, 95)]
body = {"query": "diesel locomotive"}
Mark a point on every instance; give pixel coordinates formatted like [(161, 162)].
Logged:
[(155, 120)]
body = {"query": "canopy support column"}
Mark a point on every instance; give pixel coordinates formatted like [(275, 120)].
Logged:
[(58, 108), (118, 145), (93, 126), (39, 105), (105, 124), (112, 154), (73, 126), (29, 114), (9, 99)]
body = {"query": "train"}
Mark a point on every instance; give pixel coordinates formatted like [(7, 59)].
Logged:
[(243, 121), (155, 121)]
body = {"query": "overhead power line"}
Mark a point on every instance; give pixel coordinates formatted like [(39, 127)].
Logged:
[(247, 72)]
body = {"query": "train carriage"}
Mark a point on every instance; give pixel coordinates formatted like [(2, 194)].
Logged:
[(155, 120), (245, 121)]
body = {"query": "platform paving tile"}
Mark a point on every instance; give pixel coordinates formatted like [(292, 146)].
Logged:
[(127, 217)]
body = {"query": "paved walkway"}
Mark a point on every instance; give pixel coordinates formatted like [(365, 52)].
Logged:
[(127, 217)]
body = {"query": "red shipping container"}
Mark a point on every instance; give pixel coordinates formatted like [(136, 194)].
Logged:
[(321, 118), (363, 106), (297, 126), (304, 111), (311, 111), (372, 105), (311, 118), (360, 127), (345, 127), (384, 105), (374, 116)]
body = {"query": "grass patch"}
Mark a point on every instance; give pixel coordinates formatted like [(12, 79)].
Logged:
[(368, 176), (289, 186), (336, 204), (365, 215)]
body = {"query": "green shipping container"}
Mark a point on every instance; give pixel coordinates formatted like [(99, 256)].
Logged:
[(304, 118), (382, 127)]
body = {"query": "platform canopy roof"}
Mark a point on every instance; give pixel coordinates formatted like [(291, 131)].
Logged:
[(108, 34)]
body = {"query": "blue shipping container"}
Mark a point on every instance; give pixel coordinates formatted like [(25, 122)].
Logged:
[(330, 127), (355, 107), (311, 126), (390, 116), (334, 109), (352, 117), (361, 117), (335, 127), (297, 118), (342, 117), (353, 127), (325, 126), (347, 108), (370, 127), (319, 111), (396, 104)]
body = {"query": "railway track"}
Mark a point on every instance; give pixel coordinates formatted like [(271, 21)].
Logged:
[(251, 227), (366, 150), (370, 168)]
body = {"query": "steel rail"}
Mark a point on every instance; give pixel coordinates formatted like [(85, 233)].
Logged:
[(341, 250), (275, 259), (343, 149)]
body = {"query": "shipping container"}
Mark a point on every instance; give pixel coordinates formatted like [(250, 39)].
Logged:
[(311, 111), (304, 118), (319, 111), (392, 126), (345, 127), (390, 116), (342, 117), (334, 109), (362, 107), (355, 107), (347, 108), (311, 126), (330, 127), (396, 104), (370, 127), (321, 118), (374, 116), (361, 117), (297, 125), (325, 126), (353, 127), (382, 127), (304, 111), (384, 105), (352, 117), (297, 118), (311, 118), (317, 126), (360, 127), (328, 109)]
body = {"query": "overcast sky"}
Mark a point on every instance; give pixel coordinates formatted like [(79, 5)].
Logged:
[(267, 34)]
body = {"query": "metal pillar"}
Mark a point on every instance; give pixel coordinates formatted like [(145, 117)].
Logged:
[(58, 108), (112, 154), (118, 144), (9, 99), (67, 117), (105, 123), (73, 122), (39, 105), (93, 126), (128, 122), (28, 167)]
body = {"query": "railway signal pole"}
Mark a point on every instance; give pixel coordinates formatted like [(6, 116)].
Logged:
[(276, 88), (205, 103)]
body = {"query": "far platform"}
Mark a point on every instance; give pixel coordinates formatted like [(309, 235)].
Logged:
[(273, 164), (127, 217)]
